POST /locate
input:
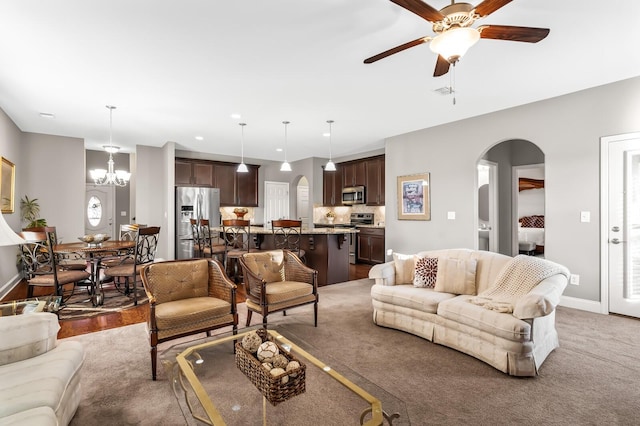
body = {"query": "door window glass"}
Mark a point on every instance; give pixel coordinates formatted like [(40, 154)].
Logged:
[(94, 210)]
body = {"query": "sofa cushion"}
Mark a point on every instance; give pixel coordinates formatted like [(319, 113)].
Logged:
[(39, 416), (405, 265), (457, 276), (42, 380), (408, 296), (27, 336), (426, 271), (503, 325)]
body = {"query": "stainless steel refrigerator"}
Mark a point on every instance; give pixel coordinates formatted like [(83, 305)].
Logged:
[(194, 203)]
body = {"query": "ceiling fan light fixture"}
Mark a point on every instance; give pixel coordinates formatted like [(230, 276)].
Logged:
[(454, 43)]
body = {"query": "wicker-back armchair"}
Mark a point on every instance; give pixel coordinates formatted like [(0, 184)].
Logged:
[(187, 297), (276, 281)]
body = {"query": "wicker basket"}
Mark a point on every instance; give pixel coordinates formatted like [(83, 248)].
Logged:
[(271, 386)]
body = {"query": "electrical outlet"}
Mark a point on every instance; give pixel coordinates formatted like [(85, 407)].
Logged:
[(389, 252), (451, 215), (574, 279)]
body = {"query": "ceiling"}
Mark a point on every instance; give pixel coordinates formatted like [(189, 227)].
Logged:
[(179, 69)]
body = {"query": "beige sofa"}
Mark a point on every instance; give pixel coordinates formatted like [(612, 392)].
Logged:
[(39, 376), (496, 308)]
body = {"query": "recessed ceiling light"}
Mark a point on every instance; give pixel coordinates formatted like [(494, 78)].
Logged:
[(236, 116), (199, 138), (326, 135), (47, 115), (278, 149)]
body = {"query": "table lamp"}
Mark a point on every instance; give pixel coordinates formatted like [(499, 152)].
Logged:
[(7, 236)]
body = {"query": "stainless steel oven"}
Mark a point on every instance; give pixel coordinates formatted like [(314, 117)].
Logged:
[(355, 220)]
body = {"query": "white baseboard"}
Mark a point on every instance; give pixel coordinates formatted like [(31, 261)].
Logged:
[(8, 286), (582, 304)]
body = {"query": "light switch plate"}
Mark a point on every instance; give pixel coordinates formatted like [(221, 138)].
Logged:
[(585, 216)]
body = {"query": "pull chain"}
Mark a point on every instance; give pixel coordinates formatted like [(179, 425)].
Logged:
[(452, 82)]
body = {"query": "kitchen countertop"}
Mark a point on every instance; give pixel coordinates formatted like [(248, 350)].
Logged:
[(339, 224), (257, 230)]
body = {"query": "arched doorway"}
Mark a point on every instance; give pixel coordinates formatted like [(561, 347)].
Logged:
[(517, 216)]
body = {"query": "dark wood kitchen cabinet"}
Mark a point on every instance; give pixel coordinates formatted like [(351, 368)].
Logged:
[(236, 189), (354, 173), (375, 181), (332, 187), (194, 173), (370, 245)]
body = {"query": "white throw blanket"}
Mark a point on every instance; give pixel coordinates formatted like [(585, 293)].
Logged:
[(516, 279)]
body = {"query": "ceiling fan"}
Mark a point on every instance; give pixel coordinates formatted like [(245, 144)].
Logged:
[(454, 32)]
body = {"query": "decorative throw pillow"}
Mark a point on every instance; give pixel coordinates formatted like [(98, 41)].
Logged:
[(405, 265), (426, 272), (456, 276)]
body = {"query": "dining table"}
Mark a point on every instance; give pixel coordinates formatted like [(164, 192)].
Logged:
[(95, 253)]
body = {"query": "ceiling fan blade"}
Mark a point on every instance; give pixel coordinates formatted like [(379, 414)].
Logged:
[(506, 32), (421, 9), (397, 49), (442, 66), (487, 7)]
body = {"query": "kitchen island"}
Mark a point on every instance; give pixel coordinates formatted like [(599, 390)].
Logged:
[(326, 250)]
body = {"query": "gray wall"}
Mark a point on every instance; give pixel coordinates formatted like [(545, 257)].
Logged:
[(567, 129), (51, 169)]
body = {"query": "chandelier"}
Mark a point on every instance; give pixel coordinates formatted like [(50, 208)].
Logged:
[(109, 176)]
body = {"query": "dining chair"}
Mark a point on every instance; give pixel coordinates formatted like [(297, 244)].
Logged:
[(277, 280), (213, 246), (287, 234), (237, 241), (67, 260), (130, 266), (40, 266), (187, 297)]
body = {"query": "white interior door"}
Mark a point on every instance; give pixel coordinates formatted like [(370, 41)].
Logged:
[(302, 201), (276, 201), (99, 210), (623, 228), (487, 205)]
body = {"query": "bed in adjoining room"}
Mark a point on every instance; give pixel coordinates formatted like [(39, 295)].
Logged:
[(531, 234), (531, 216)]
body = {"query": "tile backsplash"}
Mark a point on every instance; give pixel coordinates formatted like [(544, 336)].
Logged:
[(343, 213)]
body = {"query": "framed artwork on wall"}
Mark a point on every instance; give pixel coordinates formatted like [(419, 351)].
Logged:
[(7, 185), (414, 202)]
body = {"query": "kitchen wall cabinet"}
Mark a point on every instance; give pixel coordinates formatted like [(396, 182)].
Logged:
[(194, 173), (354, 173), (332, 187), (375, 181), (370, 245), (236, 189)]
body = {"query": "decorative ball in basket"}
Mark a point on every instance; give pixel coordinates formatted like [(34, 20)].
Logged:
[(276, 373)]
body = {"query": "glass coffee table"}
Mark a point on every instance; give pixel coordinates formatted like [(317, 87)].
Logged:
[(210, 389)]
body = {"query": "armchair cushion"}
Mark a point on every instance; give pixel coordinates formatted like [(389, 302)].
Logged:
[(193, 310), (267, 265), (278, 292)]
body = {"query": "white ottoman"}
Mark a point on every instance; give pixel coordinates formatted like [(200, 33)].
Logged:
[(526, 247)]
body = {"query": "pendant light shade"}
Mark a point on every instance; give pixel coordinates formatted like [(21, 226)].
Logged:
[(285, 167), (242, 168), (330, 167)]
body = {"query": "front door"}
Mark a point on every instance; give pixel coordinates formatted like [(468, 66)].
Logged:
[(99, 211), (623, 227)]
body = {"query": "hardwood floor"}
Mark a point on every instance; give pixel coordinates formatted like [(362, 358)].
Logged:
[(135, 315)]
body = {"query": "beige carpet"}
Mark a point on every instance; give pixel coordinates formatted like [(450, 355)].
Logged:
[(592, 379)]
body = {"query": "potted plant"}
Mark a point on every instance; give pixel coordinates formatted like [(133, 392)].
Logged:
[(330, 216), (30, 212)]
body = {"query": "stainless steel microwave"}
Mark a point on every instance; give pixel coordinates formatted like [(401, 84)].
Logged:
[(353, 195)]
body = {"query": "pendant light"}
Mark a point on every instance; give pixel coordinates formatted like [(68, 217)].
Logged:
[(286, 167), (109, 176), (330, 167), (242, 168)]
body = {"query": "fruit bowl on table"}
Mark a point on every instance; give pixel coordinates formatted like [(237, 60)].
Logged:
[(94, 239)]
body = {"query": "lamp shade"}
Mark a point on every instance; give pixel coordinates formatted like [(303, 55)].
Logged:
[(454, 43), (330, 167), (7, 236)]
